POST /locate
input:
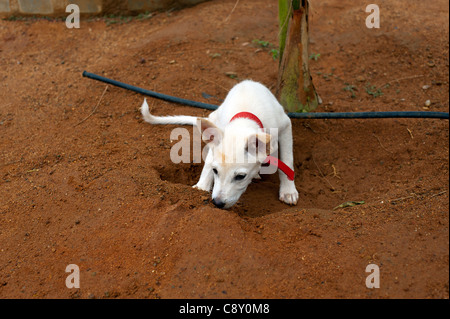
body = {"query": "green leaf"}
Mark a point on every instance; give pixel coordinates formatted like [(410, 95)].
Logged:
[(349, 204)]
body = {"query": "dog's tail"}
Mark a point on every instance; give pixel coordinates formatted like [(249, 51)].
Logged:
[(179, 119)]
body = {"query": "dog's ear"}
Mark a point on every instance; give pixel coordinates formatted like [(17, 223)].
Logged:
[(210, 132), (259, 145)]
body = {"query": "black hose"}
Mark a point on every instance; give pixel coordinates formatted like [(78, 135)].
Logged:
[(160, 96), (369, 115), (295, 115)]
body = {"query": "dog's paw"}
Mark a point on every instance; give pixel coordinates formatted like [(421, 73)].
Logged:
[(289, 197), (202, 187)]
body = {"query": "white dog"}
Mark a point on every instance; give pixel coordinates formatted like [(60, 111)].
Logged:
[(238, 141)]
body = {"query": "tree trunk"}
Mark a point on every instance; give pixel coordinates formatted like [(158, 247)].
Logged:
[(295, 89)]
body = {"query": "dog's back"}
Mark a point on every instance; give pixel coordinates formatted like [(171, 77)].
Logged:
[(253, 97), (246, 96)]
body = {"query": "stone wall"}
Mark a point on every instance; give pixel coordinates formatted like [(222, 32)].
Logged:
[(89, 7)]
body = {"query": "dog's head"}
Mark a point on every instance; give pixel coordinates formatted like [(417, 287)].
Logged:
[(237, 155)]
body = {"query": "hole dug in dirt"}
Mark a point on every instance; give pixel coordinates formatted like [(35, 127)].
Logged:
[(185, 174), (260, 198)]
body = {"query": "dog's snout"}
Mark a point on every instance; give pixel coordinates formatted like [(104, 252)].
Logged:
[(218, 203)]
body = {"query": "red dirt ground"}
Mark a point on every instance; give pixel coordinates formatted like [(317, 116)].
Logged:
[(98, 189)]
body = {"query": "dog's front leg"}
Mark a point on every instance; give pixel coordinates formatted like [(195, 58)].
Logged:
[(207, 176), (288, 192)]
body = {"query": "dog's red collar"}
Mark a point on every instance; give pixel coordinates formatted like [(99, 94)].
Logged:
[(269, 159), (283, 167), (248, 115)]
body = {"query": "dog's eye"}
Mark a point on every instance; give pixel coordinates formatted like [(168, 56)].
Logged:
[(239, 177), (215, 171)]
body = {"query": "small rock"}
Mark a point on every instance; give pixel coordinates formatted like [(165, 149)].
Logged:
[(426, 87), (427, 103), (360, 78)]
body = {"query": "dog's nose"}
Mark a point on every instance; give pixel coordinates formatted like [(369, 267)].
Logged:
[(218, 203)]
